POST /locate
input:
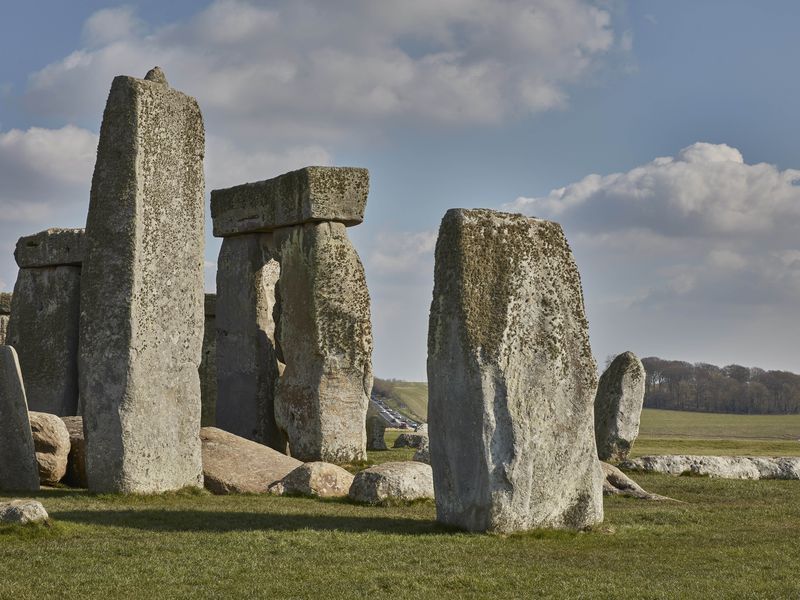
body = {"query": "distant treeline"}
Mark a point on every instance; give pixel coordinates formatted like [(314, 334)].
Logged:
[(678, 385)]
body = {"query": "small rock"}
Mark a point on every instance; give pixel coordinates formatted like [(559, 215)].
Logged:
[(317, 479), (52, 444), (409, 440), (403, 481), (22, 511), (157, 75)]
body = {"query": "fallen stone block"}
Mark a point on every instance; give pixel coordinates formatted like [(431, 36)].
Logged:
[(723, 467), (392, 482), (51, 440), (316, 479), (409, 440)]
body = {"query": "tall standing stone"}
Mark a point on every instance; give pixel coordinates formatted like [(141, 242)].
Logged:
[(511, 378), (247, 363), (292, 291), (5, 315), (142, 292), (208, 364), (618, 407), (45, 316), (376, 429), (19, 471)]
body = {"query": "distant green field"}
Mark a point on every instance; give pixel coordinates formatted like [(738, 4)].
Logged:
[(410, 398)]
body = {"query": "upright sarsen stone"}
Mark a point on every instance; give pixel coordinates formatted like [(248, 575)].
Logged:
[(5, 315), (618, 407), (142, 292), (247, 363), (325, 340), (511, 378), (19, 471), (45, 314), (208, 364)]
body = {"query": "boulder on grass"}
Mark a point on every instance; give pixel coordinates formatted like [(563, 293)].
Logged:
[(51, 444), (233, 464), (316, 479), (76, 461), (409, 440), (393, 481), (22, 511), (423, 453)]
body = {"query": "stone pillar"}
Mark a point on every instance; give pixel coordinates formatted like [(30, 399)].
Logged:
[(45, 315), (5, 315), (208, 364), (247, 363), (511, 378), (618, 407), (322, 323), (376, 430), (19, 471), (142, 292)]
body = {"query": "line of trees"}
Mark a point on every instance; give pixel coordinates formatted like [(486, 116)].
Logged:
[(679, 385)]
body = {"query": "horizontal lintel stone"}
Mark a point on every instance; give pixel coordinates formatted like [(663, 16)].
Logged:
[(50, 248), (308, 195)]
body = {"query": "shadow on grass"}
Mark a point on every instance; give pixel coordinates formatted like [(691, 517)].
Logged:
[(223, 521)]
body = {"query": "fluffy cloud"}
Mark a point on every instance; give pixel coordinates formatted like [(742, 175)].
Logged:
[(402, 253), (311, 69)]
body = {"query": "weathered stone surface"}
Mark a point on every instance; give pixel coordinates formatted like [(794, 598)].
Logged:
[(312, 194), (50, 248), (3, 329), (376, 429), (325, 340), (393, 481), (316, 479), (247, 363), (76, 461), (618, 407), (208, 364), (142, 293), (233, 464), (44, 330), (409, 440), (616, 483), (20, 512), (52, 444), (5, 303), (423, 453), (724, 467), (511, 378), (18, 470)]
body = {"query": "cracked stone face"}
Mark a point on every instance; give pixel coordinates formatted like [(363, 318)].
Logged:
[(142, 293), (511, 378)]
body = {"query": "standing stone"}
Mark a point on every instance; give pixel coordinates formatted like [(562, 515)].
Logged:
[(208, 364), (325, 339), (142, 292), (51, 442), (5, 315), (376, 430), (247, 363), (45, 315), (511, 378), (18, 469), (618, 407)]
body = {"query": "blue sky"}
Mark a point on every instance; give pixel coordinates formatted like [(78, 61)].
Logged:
[(662, 135)]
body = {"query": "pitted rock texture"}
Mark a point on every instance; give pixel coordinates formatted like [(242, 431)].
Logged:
[(315, 479), (376, 429), (18, 469), (423, 453), (142, 293), (391, 482), (511, 378), (309, 195), (616, 483), (724, 467), (618, 407), (20, 512), (50, 248), (5, 314), (247, 362), (51, 441), (324, 336), (208, 364), (44, 329), (409, 440), (76, 461), (233, 464)]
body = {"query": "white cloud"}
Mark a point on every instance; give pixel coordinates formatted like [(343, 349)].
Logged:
[(407, 252)]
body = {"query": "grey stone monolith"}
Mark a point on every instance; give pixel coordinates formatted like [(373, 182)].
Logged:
[(45, 315), (247, 363), (511, 378), (142, 293), (618, 407), (325, 340), (208, 364), (19, 471), (5, 315), (376, 429)]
